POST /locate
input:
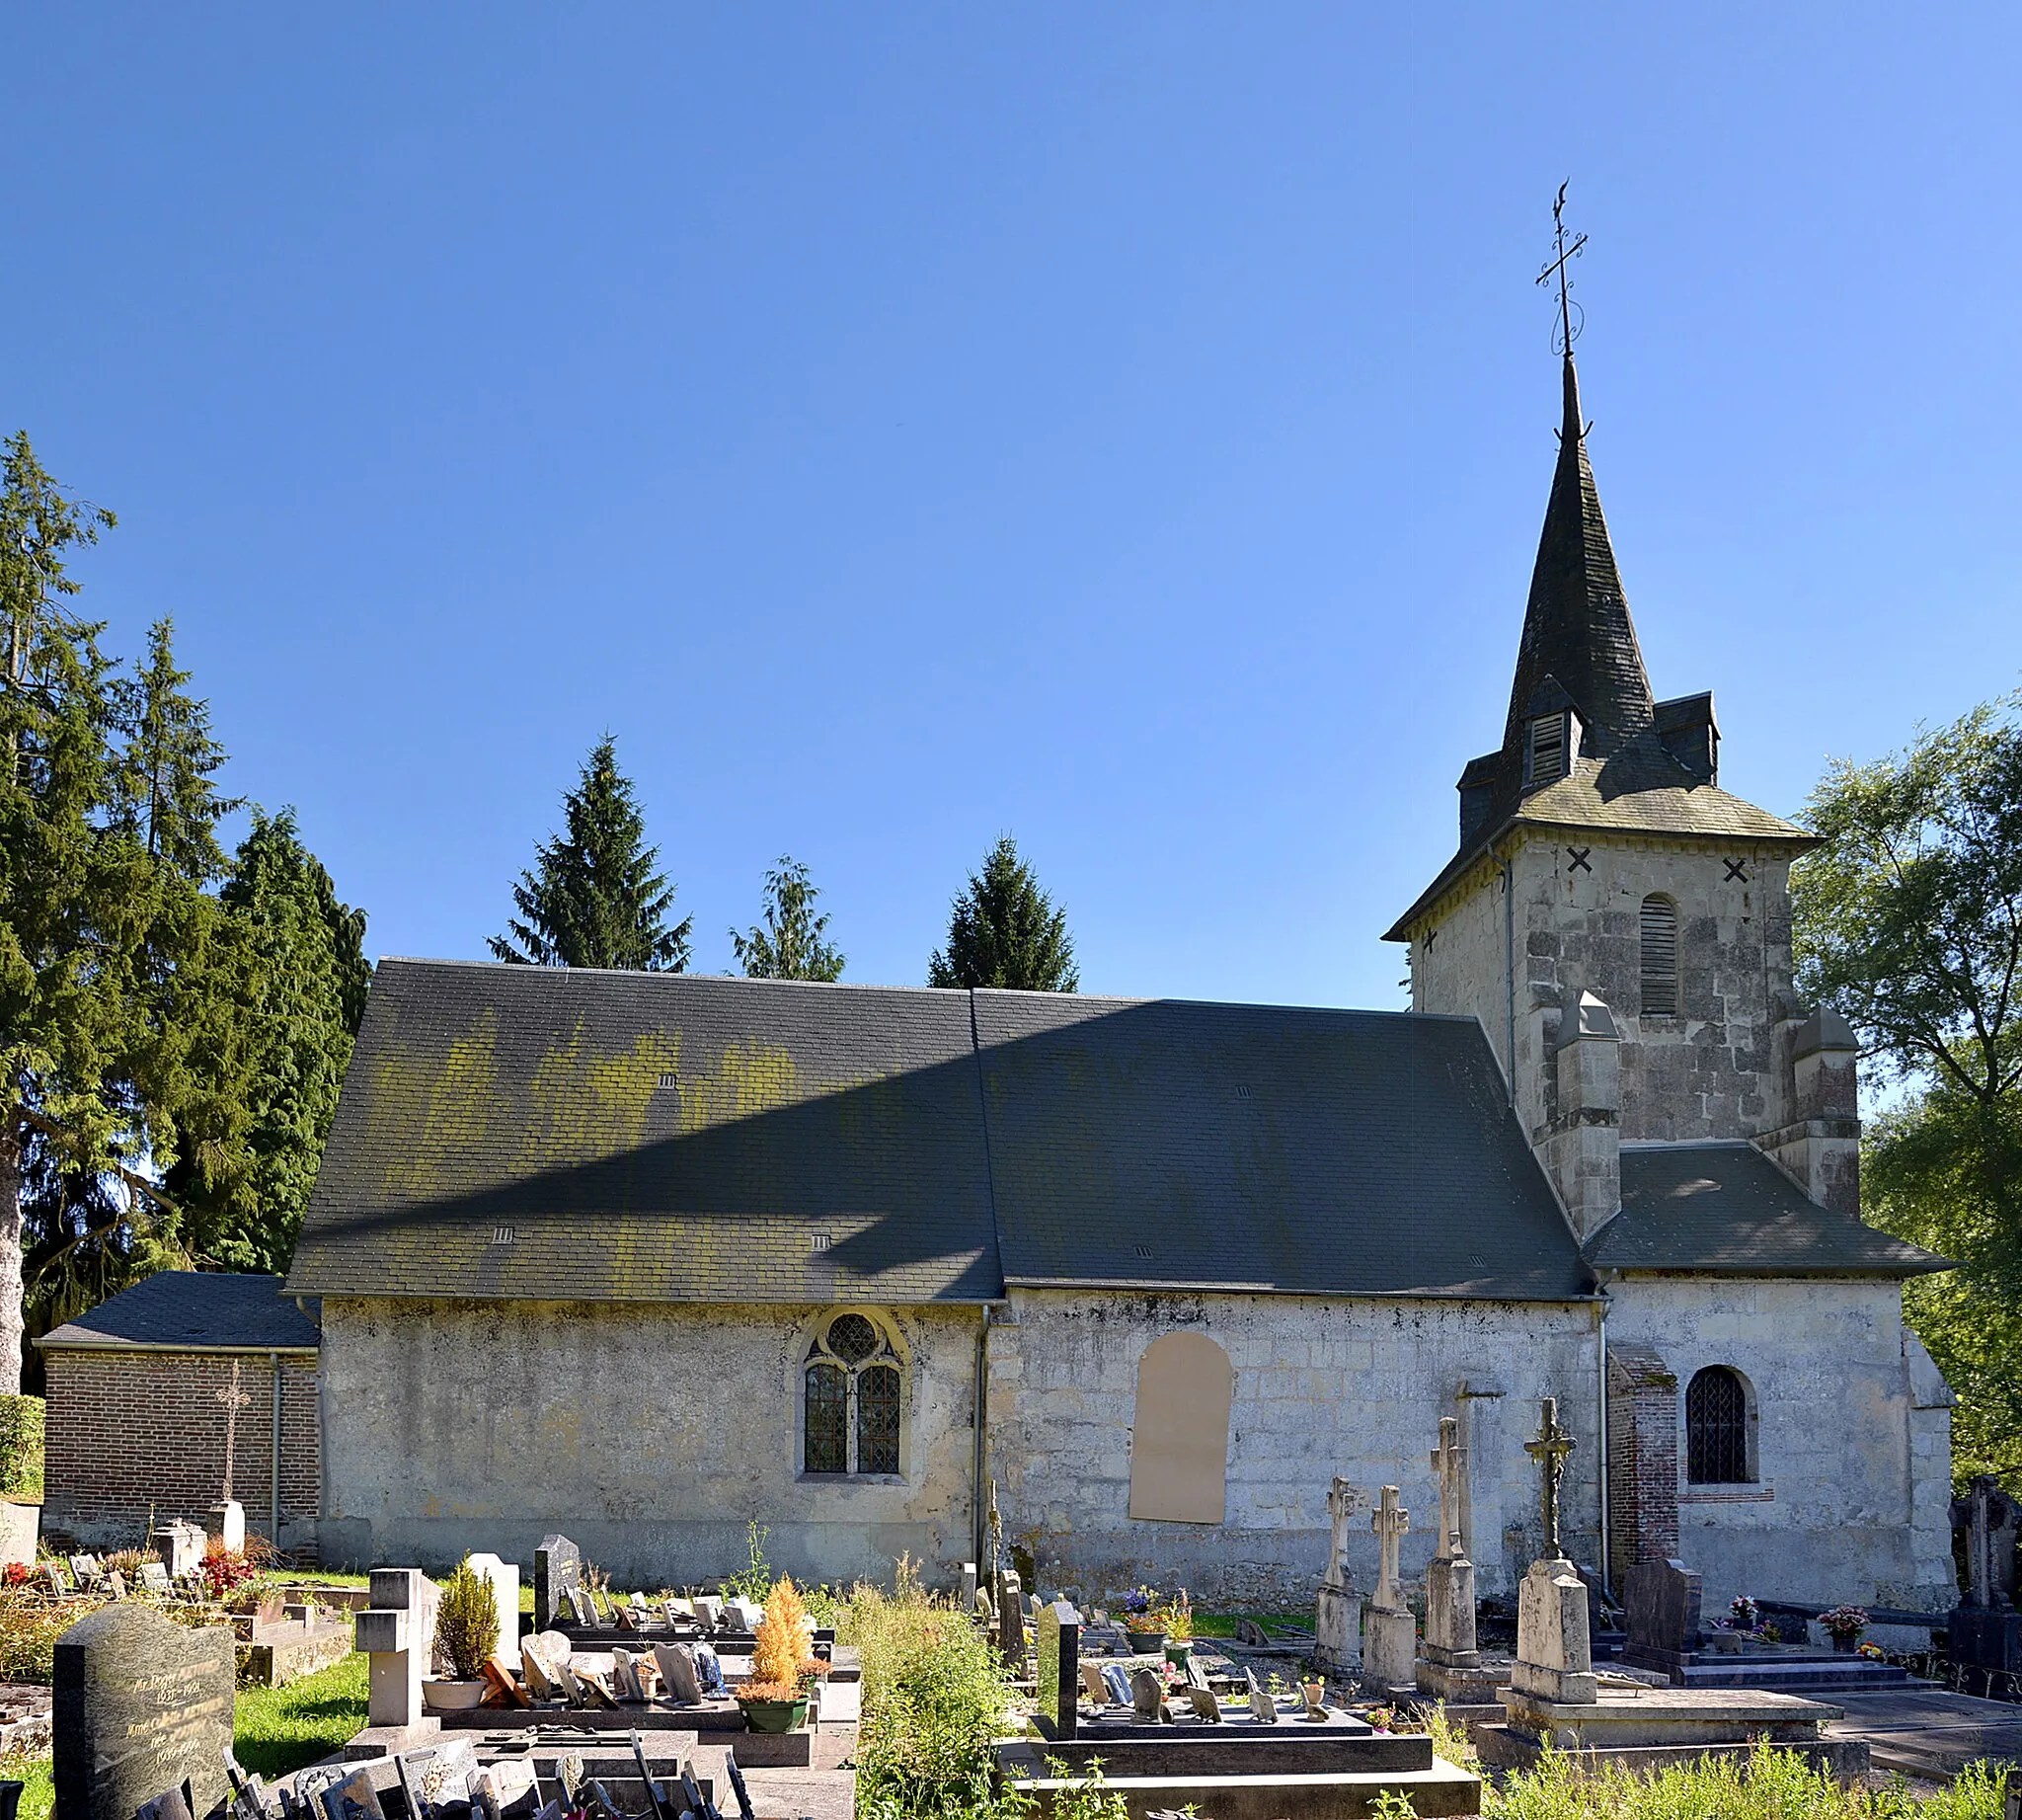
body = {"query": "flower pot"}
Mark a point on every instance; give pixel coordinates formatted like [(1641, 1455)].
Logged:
[(452, 1695), (1844, 1642), (1179, 1654), (774, 1714), (1148, 1642)]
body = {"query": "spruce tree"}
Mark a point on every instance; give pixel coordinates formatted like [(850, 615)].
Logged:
[(1005, 932), (791, 945), (594, 899)]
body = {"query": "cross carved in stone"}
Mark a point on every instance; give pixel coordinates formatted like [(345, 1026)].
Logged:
[(1549, 1448), (233, 1399), (1390, 1524), (1449, 1462), (1343, 1501)]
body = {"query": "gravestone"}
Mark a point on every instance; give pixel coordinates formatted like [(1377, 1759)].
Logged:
[(154, 1578), (1449, 1660), (1337, 1633), (505, 1582), (1011, 1621), (677, 1670), (1118, 1682), (139, 1707), (1663, 1615), (1389, 1630), (580, 1609), (968, 1586), (1263, 1708), (709, 1614), (228, 1524), (557, 1567), (1093, 1684), (397, 1632), (1206, 1705), (1984, 1630), (1056, 1645), (1147, 1694), (1554, 1654), (180, 1547)]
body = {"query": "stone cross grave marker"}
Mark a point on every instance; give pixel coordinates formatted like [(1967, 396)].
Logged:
[(1449, 1465), (1343, 1502), (1450, 1666), (140, 1706), (1549, 1448), (557, 1570), (1988, 1517), (398, 1633), (997, 1533), (1389, 1630), (1390, 1524), (233, 1400)]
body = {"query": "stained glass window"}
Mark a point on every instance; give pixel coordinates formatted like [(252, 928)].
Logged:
[(827, 1424), (1717, 1428), (878, 1420)]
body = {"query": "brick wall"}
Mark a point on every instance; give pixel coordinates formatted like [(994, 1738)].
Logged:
[(1642, 1459), (132, 1430)]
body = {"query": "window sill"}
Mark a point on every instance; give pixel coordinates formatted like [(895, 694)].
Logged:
[(1728, 1494), (849, 1479)]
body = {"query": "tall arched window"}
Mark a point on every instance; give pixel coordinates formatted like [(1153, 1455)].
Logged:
[(853, 1388), (1717, 1428), (1660, 970)]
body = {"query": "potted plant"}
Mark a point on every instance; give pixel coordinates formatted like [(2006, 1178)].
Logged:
[(467, 1632), (1176, 1619), (775, 1698), (1144, 1621), (1843, 1623)]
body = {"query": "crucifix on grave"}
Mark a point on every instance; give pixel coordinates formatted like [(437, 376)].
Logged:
[(1450, 1665), (1549, 1448), (1389, 1630), (1336, 1625), (1449, 1466), (1390, 1524), (233, 1400)]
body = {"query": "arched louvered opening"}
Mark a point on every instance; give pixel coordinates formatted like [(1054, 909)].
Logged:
[(1658, 975), (1717, 1428)]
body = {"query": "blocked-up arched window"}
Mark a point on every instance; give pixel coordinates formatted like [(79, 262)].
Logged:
[(1658, 975), (852, 1391), (1179, 1441), (1717, 1428)]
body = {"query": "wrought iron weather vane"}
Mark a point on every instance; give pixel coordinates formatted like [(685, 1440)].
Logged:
[(1555, 269)]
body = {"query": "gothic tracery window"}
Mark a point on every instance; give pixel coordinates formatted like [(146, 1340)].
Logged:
[(852, 1388), (1717, 1428)]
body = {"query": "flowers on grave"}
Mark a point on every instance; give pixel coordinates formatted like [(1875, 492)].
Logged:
[(17, 1574), (224, 1568), (1843, 1623), (467, 1622), (1874, 1652), (1142, 1613), (1744, 1613), (1137, 1602), (782, 1664), (1175, 1618)]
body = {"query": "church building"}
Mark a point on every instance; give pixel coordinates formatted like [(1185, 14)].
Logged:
[(645, 1258)]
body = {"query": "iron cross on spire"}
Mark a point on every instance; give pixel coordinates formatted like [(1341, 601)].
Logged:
[(1549, 1448), (1556, 268)]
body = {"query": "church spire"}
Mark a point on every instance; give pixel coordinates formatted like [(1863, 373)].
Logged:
[(1576, 629)]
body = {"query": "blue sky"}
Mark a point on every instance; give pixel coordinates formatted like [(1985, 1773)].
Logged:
[(1123, 425)]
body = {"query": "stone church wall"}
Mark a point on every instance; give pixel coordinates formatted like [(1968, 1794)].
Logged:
[(1851, 1442), (1322, 1387), (648, 1434)]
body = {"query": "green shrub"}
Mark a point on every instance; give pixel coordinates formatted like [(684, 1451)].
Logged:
[(21, 1449), (467, 1622), (29, 1625)]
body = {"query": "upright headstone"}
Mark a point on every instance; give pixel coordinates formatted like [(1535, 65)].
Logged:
[(1449, 1660), (1663, 1615), (557, 1570), (1263, 1708), (1147, 1695), (1389, 1630), (505, 1580), (1985, 1631), (677, 1672), (139, 1707), (397, 1635), (1337, 1632), (180, 1547), (968, 1586), (228, 1524), (1554, 1655), (1011, 1619), (20, 1526), (1056, 1647)]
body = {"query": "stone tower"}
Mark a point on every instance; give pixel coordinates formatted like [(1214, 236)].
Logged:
[(1618, 922)]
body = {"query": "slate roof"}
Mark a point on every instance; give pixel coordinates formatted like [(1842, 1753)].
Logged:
[(1724, 1209), (941, 1142), (195, 1310)]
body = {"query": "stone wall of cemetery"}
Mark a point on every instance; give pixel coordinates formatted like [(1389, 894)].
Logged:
[(1852, 1439), (133, 1430), (650, 1433), (1721, 1068), (1322, 1387)]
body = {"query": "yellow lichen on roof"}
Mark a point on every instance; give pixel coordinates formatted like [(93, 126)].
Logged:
[(583, 1106), (752, 1077), (454, 1101)]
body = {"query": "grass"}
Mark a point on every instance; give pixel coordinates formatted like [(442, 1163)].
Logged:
[(38, 1790), (1223, 1623), (278, 1729)]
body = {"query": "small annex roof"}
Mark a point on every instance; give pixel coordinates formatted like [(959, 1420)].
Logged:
[(1725, 1209), (565, 1135), (191, 1310)]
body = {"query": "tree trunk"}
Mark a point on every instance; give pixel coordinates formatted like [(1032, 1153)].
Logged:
[(10, 1255)]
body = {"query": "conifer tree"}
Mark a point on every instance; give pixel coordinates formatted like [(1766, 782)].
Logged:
[(792, 944), (594, 899), (1005, 932)]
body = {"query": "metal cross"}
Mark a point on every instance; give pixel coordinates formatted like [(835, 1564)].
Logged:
[(1549, 1450), (1449, 1462), (1390, 1524), (1557, 269), (233, 1399)]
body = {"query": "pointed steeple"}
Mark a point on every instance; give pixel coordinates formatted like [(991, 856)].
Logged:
[(1576, 629)]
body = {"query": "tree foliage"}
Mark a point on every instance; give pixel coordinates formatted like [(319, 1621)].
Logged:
[(1005, 931), (593, 898), (793, 944), (1908, 920)]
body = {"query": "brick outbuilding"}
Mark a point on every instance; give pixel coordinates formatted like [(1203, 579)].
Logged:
[(175, 1394)]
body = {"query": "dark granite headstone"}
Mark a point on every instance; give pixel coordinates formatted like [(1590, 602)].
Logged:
[(1056, 1646), (140, 1706), (1663, 1616), (1011, 1621), (556, 1572)]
